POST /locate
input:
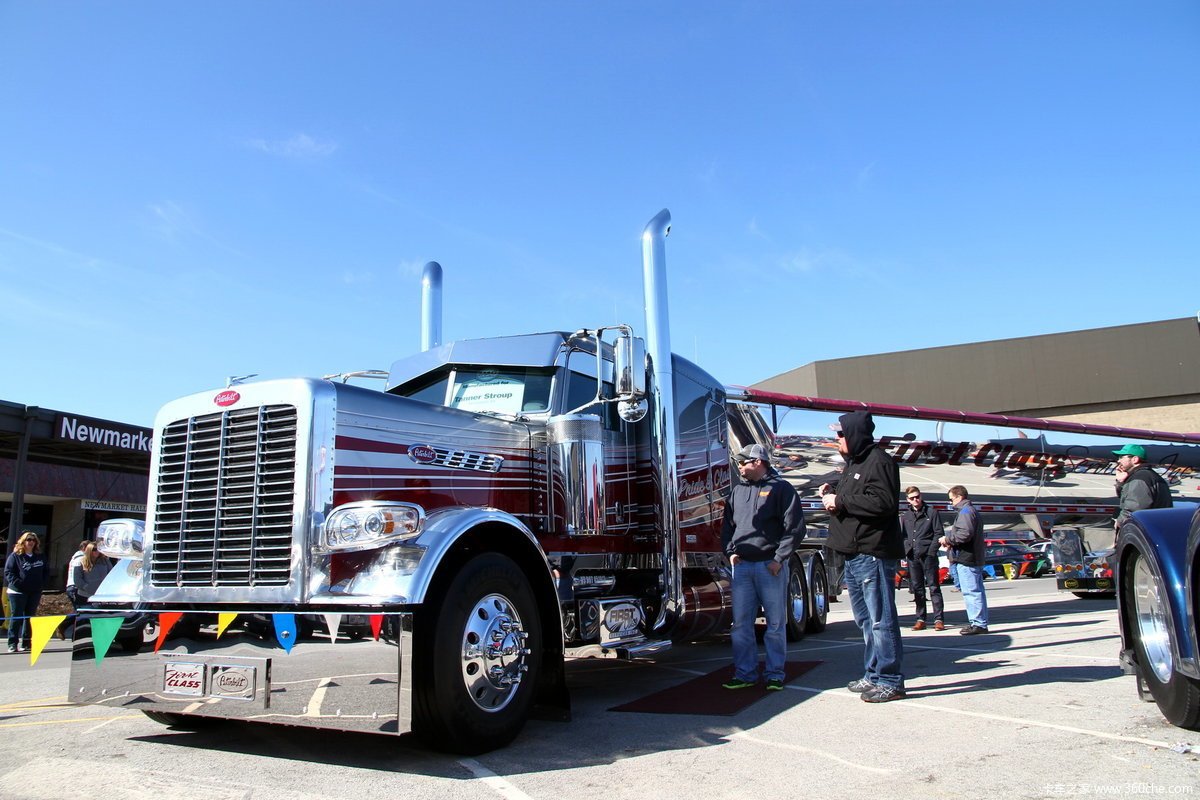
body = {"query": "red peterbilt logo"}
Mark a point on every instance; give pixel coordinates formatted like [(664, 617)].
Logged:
[(227, 398), (233, 682), (422, 453)]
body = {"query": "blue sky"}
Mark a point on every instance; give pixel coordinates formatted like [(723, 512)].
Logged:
[(190, 191)]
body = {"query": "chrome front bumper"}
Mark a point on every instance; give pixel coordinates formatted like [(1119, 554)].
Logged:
[(357, 683)]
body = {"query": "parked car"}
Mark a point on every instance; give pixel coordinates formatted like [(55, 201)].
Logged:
[(1046, 548), (1025, 561)]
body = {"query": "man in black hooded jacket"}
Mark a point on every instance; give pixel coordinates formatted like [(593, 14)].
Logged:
[(865, 529)]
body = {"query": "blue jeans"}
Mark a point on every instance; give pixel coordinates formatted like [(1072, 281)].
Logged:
[(970, 580), (871, 583), (755, 586), (21, 605)]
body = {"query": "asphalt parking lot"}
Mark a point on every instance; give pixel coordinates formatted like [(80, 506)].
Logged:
[(1038, 708)]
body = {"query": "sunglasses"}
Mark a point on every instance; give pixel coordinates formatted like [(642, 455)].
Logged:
[(841, 435)]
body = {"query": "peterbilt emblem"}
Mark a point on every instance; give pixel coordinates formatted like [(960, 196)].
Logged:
[(232, 682), (227, 398), (422, 453)]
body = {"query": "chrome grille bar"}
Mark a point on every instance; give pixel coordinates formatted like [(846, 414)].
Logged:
[(226, 486)]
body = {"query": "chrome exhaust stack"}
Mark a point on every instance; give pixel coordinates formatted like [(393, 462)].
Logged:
[(431, 306), (662, 423)]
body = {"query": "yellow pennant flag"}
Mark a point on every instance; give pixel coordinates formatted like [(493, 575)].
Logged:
[(1008, 571), (223, 621), (43, 629)]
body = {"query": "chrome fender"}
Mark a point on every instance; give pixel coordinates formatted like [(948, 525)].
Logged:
[(1161, 537)]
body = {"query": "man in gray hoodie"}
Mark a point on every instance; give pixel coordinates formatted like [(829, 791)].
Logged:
[(763, 522)]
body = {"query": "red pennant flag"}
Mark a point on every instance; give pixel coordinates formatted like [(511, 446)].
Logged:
[(376, 624), (166, 621)]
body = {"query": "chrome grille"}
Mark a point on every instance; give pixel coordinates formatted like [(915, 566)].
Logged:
[(226, 485)]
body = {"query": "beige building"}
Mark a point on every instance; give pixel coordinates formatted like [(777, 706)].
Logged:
[(1134, 376)]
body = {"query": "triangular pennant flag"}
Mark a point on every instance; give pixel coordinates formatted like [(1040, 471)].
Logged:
[(1008, 571), (990, 570), (333, 622), (166, 621), (285, 630), (43, 629), (223, 621), (104, 630), (376, 624)]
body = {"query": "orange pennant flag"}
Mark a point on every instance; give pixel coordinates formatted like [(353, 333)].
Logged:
[(166, 621), (43, 629)]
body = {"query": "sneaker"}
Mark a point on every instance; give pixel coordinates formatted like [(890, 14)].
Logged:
[(774, 685), (938, 625), (12, 648), (973, 630), (920, 626), (859, 686), (736, 683), (883, 694)]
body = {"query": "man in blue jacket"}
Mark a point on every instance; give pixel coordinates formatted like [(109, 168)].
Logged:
[(763, 522), (865, 529)]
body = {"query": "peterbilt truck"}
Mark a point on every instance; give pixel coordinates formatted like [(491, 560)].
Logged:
[(500, 506)]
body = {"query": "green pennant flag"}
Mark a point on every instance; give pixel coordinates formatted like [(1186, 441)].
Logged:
[(104, 630)]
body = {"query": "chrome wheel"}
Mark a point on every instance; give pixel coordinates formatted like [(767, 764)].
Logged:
[(1150, 618), (494, 652)]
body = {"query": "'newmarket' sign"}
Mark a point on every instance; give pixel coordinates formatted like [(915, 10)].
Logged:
[(101, 432)]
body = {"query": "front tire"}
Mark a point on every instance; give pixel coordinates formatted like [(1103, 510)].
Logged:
[(1149, 624), (478, 658)]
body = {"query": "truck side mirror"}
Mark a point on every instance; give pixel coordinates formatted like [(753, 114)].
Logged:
[(629, 356)]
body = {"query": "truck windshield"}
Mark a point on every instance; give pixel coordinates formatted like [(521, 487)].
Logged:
[(486, 390)]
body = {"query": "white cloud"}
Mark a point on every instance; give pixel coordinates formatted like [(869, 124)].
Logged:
[(297, 146), (351, 278)]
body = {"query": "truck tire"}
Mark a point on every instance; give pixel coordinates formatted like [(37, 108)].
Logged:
[(186, 722), (477, 659), (797, 600), (1177, 695), (818, 596)]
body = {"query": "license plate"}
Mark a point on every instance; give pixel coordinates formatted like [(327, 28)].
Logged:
[(183, 678)]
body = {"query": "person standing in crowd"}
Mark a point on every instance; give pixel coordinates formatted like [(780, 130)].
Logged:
[(1138, 486), (763, 522), (965, 539), (922, 525), (89, 572), (864, 527), (25, 574), (76, 557)]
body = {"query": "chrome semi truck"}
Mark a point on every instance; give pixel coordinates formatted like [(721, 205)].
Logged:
[(427, 556)]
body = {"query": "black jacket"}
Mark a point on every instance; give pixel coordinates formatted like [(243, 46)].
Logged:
[(868, 494), (967, 545), (25, 574), (1142, 488), (922, 529), (763, 519)]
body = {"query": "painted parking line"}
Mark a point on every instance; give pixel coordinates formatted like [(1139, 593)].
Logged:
[(62, 721)]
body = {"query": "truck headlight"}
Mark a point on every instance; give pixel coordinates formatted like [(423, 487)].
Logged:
[(121, 538), (365, 526)]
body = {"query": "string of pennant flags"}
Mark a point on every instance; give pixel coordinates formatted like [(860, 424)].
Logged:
[(105, 629)]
